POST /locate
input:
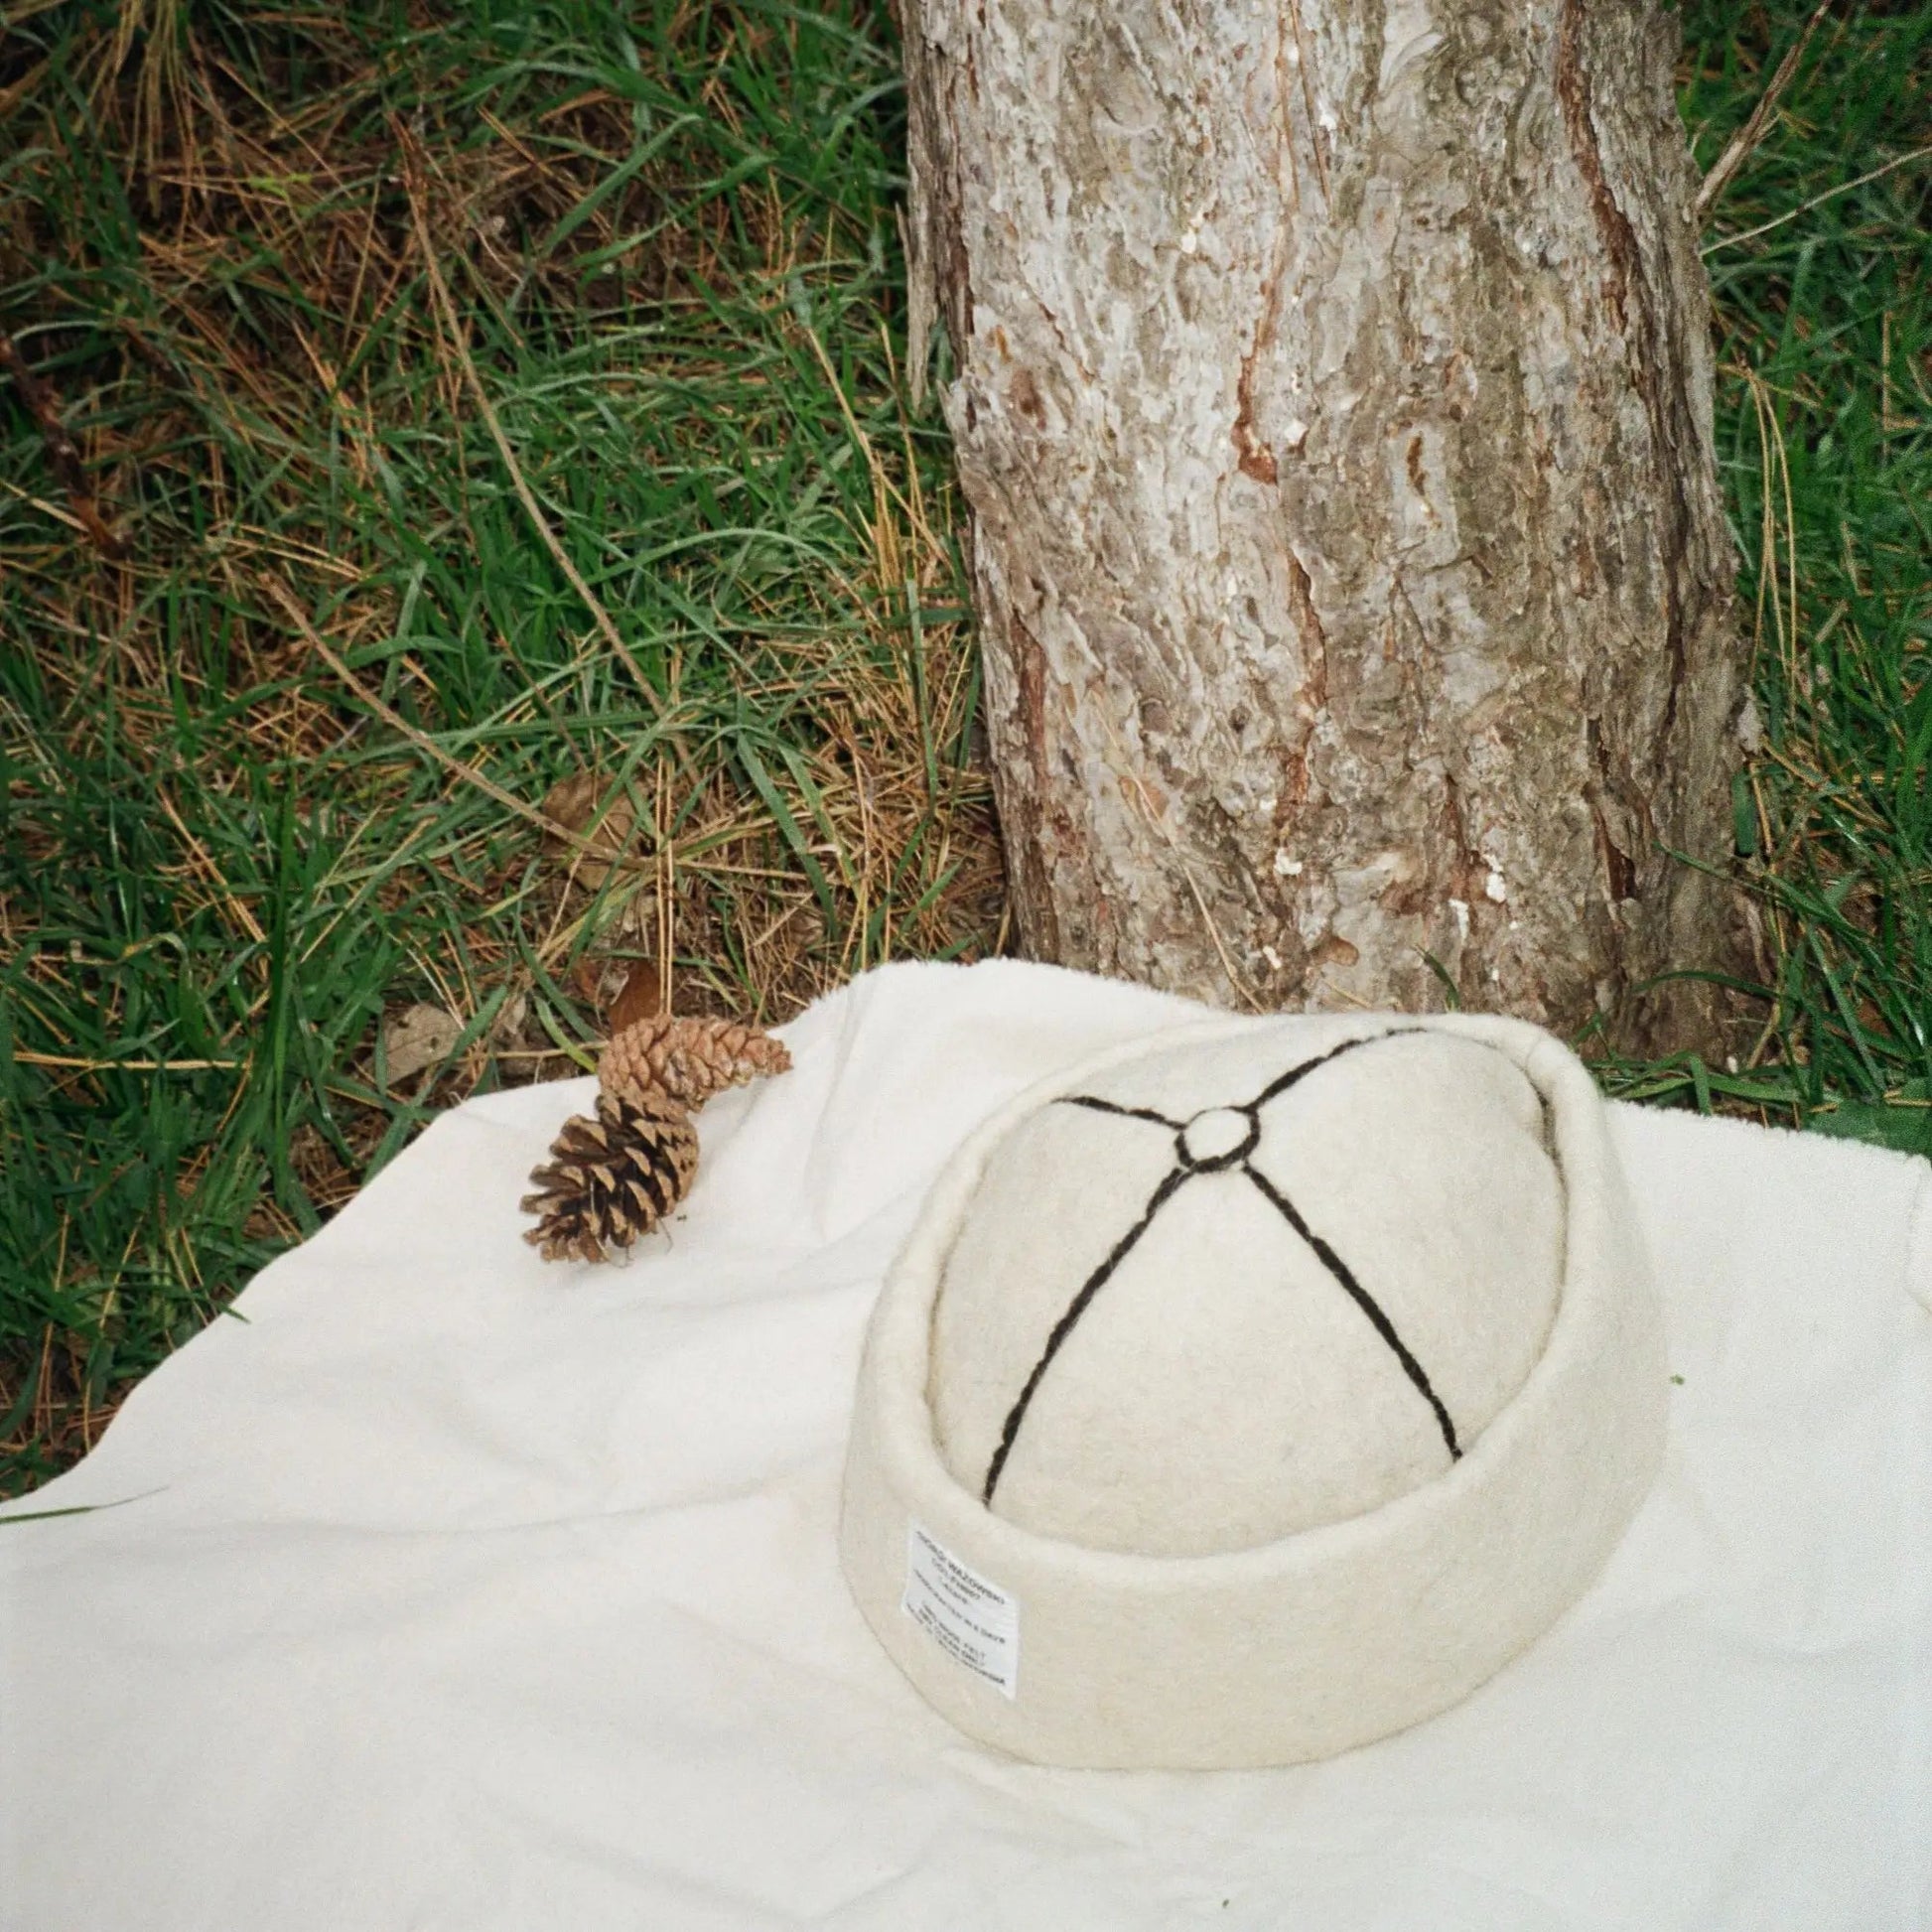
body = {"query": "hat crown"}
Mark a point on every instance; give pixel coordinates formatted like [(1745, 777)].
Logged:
[(1223, 1292)]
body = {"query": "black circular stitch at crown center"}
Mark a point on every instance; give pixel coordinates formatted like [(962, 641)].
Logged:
[(1219, 1163)]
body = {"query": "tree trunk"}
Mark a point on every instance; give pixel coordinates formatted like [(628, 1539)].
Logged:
[(1333, 409)]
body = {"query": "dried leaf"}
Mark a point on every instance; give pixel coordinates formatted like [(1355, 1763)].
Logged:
[(640, 997), (507, 1029), (573, 803), (417, 1037)]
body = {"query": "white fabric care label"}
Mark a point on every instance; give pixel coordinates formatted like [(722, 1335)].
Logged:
[(968, 1617)]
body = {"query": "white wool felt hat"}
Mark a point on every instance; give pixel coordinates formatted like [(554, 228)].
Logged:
[(1254, 1391)]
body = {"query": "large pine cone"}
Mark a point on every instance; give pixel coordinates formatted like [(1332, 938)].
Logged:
[(612, 1179), (688, 1059)]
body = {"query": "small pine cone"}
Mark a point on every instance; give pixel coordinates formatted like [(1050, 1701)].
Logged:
[(688, 1059), (612, 1179)]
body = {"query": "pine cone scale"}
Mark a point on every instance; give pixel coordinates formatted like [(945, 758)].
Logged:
[(655, 1185)]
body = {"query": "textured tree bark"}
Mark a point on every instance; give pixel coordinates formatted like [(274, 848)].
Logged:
[(1333, 409)]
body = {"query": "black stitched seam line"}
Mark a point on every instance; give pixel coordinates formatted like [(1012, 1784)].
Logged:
[(1065, 1324), (1270, 1091), (1295, 1073), (1327, 1255), (1108, 1107), (1363, 1300)]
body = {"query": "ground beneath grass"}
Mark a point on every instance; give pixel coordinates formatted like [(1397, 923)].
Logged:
[(467, 557)]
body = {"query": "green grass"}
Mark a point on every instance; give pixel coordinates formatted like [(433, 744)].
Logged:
[(1825, 436), (236, 835), (271, 776)]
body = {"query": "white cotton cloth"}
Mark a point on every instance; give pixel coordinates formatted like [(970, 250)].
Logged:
[(442, 1588)]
